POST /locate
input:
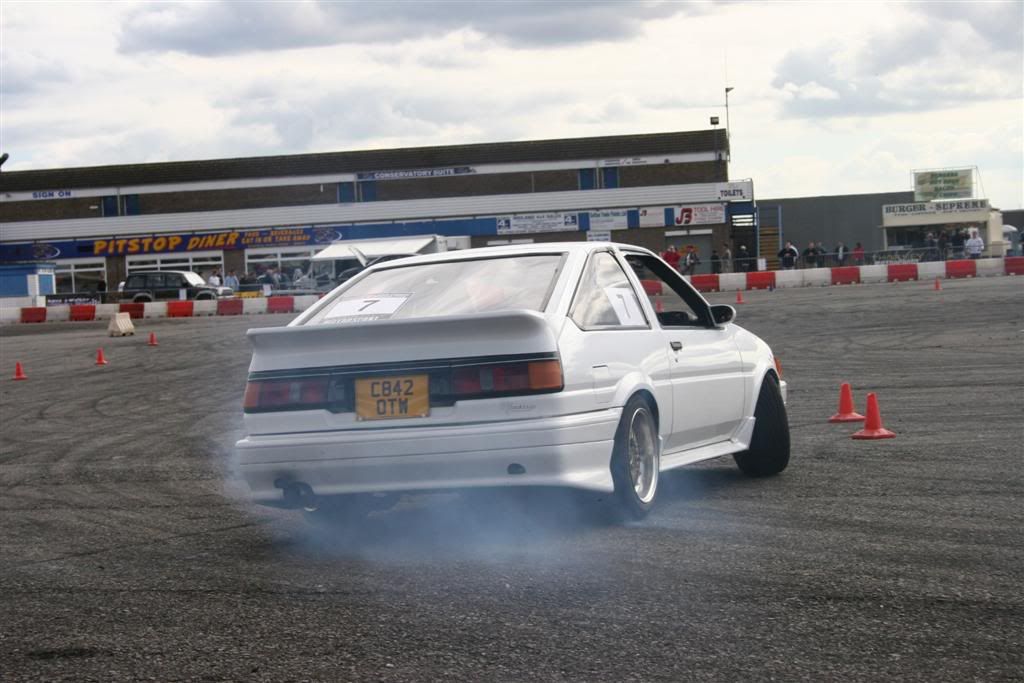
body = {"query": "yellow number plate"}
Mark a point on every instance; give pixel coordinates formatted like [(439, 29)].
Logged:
[(386, 398)]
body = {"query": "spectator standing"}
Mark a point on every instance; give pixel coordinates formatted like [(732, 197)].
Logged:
[(214, 279), (958, 243), (841, 254), (811, 255), (858, 254), (716, 262), (943, 245), (788, 256), (974, 245), (820, 255), (690, 261), (232, 281), (742, 259), (726, 258), (671, 256)]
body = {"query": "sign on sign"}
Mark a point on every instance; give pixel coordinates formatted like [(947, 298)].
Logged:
[(956, 183), (609, 219)]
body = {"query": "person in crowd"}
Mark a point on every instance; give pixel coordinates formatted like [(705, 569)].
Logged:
[(788, 256), (101, 284), (931, 247), (249, 278), (958, 241), (726, 258), (821, 254), (974, 245), (841, 254), (810, 255), (716, 262), (214, 279), (671, 256), (942, 245), (297, 274), (232, 281), (742, 259), (858, 254), (690, 260)]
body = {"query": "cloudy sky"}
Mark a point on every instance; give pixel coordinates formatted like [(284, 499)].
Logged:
[(830, 98)]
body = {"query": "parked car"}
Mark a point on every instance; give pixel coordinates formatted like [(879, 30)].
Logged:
[(168, 284), (591, 366)]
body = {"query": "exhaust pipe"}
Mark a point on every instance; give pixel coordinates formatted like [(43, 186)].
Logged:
[(298, 494)]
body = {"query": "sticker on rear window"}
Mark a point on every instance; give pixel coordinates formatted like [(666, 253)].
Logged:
[(624, 302), (373, 307)]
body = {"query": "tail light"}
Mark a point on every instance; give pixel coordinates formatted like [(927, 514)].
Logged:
[(778, 367), (286, 394), (493, 379)]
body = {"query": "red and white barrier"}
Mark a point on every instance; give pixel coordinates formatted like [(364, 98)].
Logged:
[(724, 282)]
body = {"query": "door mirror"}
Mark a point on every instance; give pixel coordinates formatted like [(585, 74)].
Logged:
[(722, 313)]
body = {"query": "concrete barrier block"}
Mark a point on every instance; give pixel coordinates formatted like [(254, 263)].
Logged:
[(961, 268), (83, 311), (204, 307), (179, 309), (33, 314), (761, 279), (789, 278), (897, 272), (57, 314), (929, 270), (732, 282), (121, 325), (10, 314), (304, 301), (154, 309), (990, 266), (254, 305), (817, 277), (104, 311)]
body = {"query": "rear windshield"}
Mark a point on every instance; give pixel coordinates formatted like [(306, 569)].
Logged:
[(448, 288)]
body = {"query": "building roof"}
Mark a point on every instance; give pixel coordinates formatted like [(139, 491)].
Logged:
[(617, 146)]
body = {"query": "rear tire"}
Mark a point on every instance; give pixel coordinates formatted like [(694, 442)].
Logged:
[(769, 446), (636, 459)]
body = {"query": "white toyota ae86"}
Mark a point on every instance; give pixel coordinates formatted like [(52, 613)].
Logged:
[(586, 365)]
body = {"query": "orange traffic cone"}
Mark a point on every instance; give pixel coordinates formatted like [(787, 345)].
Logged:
[(739, 296), (938, 285), (846, 412), (152, 339), (100, 359), (873, 428), (19, 372)]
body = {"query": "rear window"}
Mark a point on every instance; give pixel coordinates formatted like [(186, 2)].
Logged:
[(447, 288)]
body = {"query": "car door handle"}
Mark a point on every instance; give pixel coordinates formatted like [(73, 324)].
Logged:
[(676, 346)]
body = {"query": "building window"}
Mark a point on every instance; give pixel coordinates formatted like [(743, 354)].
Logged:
[(130, 205), (587, 179), (346, 193), (293, 264), (109, 205), (609, 177), (79, 275), (202, 262), (368, 191)]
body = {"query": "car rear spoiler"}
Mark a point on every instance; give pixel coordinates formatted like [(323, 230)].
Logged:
[(385, 341)]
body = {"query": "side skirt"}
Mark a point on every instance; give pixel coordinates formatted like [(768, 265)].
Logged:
[(740, 442)]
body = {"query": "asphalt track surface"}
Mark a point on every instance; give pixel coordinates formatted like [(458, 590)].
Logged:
[(129, 551)]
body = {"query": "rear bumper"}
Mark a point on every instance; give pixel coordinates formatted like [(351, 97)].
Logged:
[(570, 451)]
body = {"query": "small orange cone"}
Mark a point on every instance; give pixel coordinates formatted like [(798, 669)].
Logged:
[(846, 412), (938, 285), (19, 372), (100, 359), (739, 296), (152, 339), (873, 428)]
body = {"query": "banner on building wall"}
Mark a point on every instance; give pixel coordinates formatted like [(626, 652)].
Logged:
[(170, 243), (405, 174), (599, 236), (610, 219), (957, 183), (520, 224), (627, 161), (934, 213), (699, 214), (652, 217)]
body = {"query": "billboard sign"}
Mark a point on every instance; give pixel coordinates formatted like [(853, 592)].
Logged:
[(699, 214), (957, 183), (521, 224)]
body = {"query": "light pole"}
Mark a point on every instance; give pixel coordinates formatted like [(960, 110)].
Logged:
[(728, 155)]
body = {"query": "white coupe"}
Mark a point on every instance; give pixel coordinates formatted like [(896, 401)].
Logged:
[(585, 365)]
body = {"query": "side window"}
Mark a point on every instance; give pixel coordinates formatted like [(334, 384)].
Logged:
[(135, 282), (673, 301), (156, 281), (174, 281), (605, 299)]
